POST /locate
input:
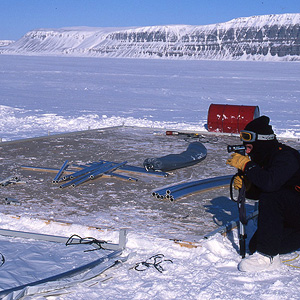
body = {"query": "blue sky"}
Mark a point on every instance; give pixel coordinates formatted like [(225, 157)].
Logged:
[(17, 17)]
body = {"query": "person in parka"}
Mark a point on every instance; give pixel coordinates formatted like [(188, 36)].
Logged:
[(271, 172)]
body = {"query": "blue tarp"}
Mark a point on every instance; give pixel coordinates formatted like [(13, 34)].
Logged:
[(195, 153)]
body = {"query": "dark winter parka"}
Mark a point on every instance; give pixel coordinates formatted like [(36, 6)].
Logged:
[(276, 167)]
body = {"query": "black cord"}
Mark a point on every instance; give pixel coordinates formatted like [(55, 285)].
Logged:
[(2, 260), (232, 187), (76, 240), (154, 261)]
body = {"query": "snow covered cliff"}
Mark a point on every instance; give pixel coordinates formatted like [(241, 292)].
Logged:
[(269, 37)]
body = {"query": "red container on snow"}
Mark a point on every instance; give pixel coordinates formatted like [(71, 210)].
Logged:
[(230, 118)]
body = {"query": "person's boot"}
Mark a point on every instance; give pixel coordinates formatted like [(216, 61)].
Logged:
[(259, 262)]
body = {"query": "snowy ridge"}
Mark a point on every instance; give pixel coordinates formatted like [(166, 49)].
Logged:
[(269, 37), (5, 42)]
